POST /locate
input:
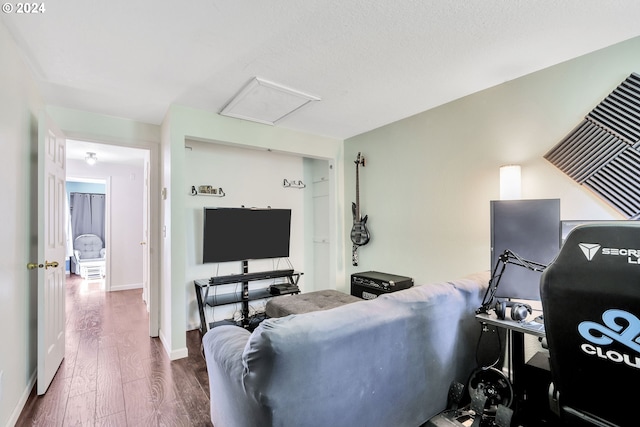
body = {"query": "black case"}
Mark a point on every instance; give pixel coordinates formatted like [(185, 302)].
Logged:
[(370, 284)]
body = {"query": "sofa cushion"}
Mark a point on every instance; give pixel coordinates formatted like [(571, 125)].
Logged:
[(306, 303)]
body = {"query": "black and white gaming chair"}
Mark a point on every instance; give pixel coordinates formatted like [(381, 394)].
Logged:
[(591, 305)]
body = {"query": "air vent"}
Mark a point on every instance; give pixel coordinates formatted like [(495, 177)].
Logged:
[(603, 151)]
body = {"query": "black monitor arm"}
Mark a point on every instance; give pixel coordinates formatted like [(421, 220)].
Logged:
[(507, 257)]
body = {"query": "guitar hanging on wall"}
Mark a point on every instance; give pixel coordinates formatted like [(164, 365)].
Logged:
[(359, 233)]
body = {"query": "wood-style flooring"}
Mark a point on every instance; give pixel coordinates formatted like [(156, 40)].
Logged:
[(114, 374)]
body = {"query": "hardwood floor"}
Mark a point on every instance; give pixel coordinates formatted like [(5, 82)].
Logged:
[(114, 374)]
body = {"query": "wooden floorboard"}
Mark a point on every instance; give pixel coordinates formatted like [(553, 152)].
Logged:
[(114, 374)]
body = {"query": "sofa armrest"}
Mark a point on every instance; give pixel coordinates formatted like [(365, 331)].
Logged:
[(223, 347)]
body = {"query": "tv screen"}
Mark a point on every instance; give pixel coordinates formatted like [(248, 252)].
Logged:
[(238, 234), (530, 229)]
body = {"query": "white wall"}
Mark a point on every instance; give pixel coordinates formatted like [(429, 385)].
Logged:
[(429, 178), (125, 196), (250, 178), (19, 106)]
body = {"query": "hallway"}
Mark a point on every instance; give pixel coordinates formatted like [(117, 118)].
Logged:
[(113, 373)]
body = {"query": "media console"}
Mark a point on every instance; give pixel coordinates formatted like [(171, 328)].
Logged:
[(244, 295)]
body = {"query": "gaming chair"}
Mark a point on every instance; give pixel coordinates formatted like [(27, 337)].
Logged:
[(591, 306)]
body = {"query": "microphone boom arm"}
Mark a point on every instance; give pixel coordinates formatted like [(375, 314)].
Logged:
[(507, 257)]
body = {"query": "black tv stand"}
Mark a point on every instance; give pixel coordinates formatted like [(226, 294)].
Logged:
[(203, 286)]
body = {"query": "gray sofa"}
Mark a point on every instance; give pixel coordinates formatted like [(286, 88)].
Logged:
[(385, 362)]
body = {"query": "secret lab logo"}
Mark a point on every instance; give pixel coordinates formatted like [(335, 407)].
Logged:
[(602, 335), (591, 249)]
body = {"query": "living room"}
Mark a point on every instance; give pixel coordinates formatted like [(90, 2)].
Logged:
[(426, 185)]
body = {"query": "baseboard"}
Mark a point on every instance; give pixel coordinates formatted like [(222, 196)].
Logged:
[(13, 420), (126, 287), (180, 353)]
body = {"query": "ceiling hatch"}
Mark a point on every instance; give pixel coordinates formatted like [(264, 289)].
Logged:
[(603, 151), (266, 102)]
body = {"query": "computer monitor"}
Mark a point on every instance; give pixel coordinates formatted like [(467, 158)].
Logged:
[(530, 229)]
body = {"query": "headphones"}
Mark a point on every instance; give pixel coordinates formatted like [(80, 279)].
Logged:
[(519, 311)]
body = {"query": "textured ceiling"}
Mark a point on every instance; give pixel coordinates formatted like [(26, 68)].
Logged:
[(371, 62)]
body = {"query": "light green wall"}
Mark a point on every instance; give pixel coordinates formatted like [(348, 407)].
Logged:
[(429, 178)]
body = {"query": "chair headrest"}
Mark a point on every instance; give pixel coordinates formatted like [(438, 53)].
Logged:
[(88, 245), (605, 244)]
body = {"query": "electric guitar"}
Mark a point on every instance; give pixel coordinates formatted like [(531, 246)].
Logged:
[(359, 234)]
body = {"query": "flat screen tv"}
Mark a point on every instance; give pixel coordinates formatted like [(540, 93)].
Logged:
[(239, 234), (530, 229)]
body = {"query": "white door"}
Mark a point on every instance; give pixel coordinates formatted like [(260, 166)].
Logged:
[(51, 251)]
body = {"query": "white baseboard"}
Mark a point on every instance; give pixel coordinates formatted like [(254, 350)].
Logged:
[(126, 287), (180, 353), (23, 400)]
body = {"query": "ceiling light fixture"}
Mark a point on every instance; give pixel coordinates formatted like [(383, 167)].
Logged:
[(91, 158), (266, 102)]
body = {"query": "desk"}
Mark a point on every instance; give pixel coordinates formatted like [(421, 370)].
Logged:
[(528, 326), (516, 332)]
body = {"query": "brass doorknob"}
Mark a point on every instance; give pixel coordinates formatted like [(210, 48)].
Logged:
[(47, 264), (52, 264)]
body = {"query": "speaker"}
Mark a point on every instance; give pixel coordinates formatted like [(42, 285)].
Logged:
[(519, 311)]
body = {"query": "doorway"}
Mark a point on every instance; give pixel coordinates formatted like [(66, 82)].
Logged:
[(125, 174), (86, 219)]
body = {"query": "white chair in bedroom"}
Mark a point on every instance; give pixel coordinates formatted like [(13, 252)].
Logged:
[(90, 256)]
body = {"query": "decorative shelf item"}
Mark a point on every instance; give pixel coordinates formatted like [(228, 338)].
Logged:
[(293, 184), (207, 190)]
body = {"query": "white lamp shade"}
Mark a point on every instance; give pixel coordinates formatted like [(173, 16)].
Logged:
[(510, 182)]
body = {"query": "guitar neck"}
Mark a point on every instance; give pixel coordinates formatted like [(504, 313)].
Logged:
[(357, 193)]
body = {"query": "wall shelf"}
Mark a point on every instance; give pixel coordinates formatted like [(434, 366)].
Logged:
[(293, 184), (207, 190)]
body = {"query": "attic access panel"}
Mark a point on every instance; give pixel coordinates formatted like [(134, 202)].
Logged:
[(266, 102), (603, 151)]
